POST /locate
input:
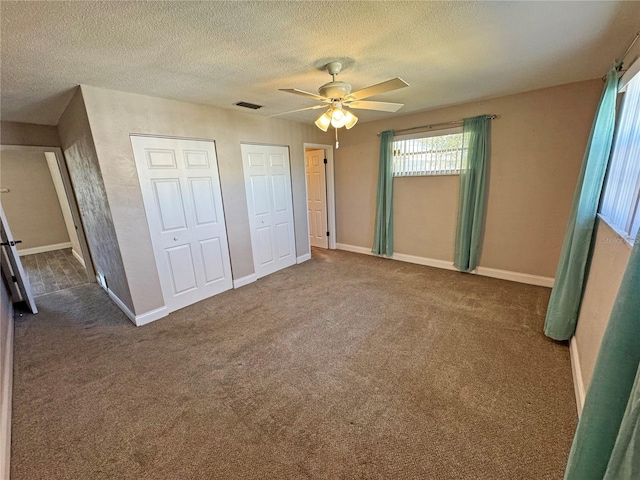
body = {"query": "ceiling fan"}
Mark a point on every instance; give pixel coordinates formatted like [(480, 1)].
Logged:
[(339, 97)]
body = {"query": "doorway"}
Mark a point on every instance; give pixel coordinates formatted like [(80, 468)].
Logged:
[(317, 197), (321, 214), (40, 207)]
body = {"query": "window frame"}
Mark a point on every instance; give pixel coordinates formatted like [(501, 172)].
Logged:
[(632, 221), (441, 132)]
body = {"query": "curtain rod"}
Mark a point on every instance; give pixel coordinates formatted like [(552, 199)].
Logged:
[(617, 63), (441, 124), (624, 55)]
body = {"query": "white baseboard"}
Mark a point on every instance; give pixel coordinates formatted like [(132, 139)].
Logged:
[(78, 257), (353, 248), (137, 320), (5, 396), (576, 371), (130, 315), (515, 276), (151, 316), (242, 281), (303, 258), (403, 257), (448, 265), (44, 248), (430, 262)]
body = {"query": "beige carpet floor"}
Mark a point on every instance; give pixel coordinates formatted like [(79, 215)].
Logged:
[(344, 367)]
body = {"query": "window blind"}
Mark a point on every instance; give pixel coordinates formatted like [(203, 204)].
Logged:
[(436, 154), (622, 189)]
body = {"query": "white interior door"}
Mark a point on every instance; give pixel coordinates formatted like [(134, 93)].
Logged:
[(13, 266), (317, 198), (268, 186), (183, 201)]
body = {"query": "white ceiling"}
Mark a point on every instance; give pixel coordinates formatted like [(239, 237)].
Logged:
[(217, 53)]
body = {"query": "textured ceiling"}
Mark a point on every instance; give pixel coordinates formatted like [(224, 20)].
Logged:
[(217, 53)]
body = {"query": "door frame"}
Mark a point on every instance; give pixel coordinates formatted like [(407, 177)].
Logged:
[(71, 200), (331, 190)]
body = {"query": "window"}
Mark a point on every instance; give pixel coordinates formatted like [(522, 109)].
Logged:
[(433, 153), (622, 189)]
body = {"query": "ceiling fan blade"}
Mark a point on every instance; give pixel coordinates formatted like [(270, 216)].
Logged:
[(315, 107), (369, 105), (305, 94), (377, 89)]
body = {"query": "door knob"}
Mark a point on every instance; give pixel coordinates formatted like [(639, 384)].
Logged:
[(11, 242)]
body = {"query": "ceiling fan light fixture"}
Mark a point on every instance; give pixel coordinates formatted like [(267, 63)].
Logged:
[(338, 118), (349, 119), (324, 121)]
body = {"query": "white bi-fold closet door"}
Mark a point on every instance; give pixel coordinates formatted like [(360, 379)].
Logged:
[(183, 201), (268, 185)]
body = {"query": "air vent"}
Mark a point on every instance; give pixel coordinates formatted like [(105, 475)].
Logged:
[(252, 106)]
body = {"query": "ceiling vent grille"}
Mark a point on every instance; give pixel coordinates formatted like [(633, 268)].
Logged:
[(252, 106)]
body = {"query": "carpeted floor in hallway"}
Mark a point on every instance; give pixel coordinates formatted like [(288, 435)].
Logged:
[(344, 367)]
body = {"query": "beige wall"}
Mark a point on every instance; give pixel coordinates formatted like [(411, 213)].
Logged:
[(113, 116), (84, 170), (610, 257), (14, 133), (537, 148), (32, 205)]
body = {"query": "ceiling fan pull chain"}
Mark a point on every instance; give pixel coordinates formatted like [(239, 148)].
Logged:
[(337, 144)]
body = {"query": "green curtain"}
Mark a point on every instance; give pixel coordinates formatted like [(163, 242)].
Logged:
[(625, 458), (383, 233), (471, 204), (564, 304), (607, 441)]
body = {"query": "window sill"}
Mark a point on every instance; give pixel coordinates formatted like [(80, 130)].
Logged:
[(622, 235), (428, 176)]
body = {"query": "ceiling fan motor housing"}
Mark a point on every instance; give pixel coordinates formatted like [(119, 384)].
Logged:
[(334, 90)]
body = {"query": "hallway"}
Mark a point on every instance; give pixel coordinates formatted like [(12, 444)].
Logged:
[(50, 272)]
